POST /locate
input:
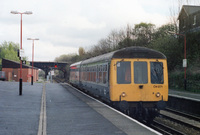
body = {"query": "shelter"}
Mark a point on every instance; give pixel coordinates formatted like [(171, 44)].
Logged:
[(12, 71)]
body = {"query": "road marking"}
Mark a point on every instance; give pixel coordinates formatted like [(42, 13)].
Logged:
[(42, 122)]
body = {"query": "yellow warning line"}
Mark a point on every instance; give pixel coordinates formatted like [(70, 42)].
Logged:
[(42, 122)]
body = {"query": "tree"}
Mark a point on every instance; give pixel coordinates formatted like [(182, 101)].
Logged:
[(8, 50), (169, 46), (81, 51), (70, 58), (143, 33)]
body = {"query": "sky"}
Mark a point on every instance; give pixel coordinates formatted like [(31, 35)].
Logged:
[(63, 26)]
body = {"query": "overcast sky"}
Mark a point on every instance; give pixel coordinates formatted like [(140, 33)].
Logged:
[(64, 25)]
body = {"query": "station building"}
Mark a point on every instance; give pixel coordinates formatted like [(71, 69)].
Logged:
[(12, 71)]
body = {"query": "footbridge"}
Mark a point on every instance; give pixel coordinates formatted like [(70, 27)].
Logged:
[(48, 66)]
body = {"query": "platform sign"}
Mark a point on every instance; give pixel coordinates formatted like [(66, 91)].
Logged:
[(21, 54), (184, 63), (52, 72)]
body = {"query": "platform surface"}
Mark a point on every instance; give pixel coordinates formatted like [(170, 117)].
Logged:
[(19, 115), (185, 94), (68, 112)]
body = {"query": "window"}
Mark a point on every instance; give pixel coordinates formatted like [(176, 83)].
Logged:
[(195, 20), (95, 74), (184, 22), (88, 76), (104, 74), (157, 73), (100, 74), (140, 73), (124, 72)]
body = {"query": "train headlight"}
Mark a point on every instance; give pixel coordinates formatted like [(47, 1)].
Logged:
[(123, 94), (158, 94)]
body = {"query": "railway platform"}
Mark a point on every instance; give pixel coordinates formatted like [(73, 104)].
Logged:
[(62, 110), (186, 102), (184, 94)]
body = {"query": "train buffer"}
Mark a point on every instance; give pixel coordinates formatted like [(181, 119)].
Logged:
[(53, 109)]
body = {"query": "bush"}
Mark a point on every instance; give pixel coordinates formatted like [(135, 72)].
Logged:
[(176, 81)]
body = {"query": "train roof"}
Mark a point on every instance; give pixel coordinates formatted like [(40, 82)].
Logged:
[(129, 52), (75, 64)]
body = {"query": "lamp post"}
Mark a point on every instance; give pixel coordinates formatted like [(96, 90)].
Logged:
[(184, 60), (21, 13), (33, 39)]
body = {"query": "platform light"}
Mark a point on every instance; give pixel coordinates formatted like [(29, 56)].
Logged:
[(33, 39), (14, 12), (26, 12), (21, 13)]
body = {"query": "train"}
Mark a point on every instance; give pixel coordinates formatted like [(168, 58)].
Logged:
[(133, 80)]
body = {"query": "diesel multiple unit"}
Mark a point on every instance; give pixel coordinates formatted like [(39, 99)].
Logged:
[(133, 79)]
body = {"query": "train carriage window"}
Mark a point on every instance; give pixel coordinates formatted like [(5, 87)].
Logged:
[(88, 76), (104, 74), (157, 73), (94, 76), (100, 74), (124, 72), (104, 78), (85, 75), (140, 73)]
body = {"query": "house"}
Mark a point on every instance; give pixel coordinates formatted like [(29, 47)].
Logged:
[(189, 19), (12, 71)]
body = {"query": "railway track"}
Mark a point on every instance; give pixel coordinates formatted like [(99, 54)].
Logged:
[(187, 121), (163, 128), (188, 125), (189, 116)]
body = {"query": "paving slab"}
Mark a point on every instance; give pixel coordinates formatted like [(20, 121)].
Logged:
[(69, 112), (19, 115)]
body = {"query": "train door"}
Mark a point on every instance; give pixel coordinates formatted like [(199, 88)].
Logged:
[(140, 73), (149, 80)]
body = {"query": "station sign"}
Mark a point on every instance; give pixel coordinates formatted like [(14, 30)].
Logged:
[(52, 72), (184, 63), (22, 54)]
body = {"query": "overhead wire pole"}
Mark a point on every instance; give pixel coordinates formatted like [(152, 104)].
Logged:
[(20, 80), (32, 57)]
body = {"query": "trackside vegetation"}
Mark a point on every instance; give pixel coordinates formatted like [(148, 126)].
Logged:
[(147, 35)]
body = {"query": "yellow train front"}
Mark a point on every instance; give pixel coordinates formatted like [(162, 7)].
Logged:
[(133, 79)]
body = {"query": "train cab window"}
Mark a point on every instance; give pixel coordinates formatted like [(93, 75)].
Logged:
[(124, 72), (140, 73), (157, 73)]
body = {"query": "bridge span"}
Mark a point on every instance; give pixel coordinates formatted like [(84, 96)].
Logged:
[(48, 66)]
